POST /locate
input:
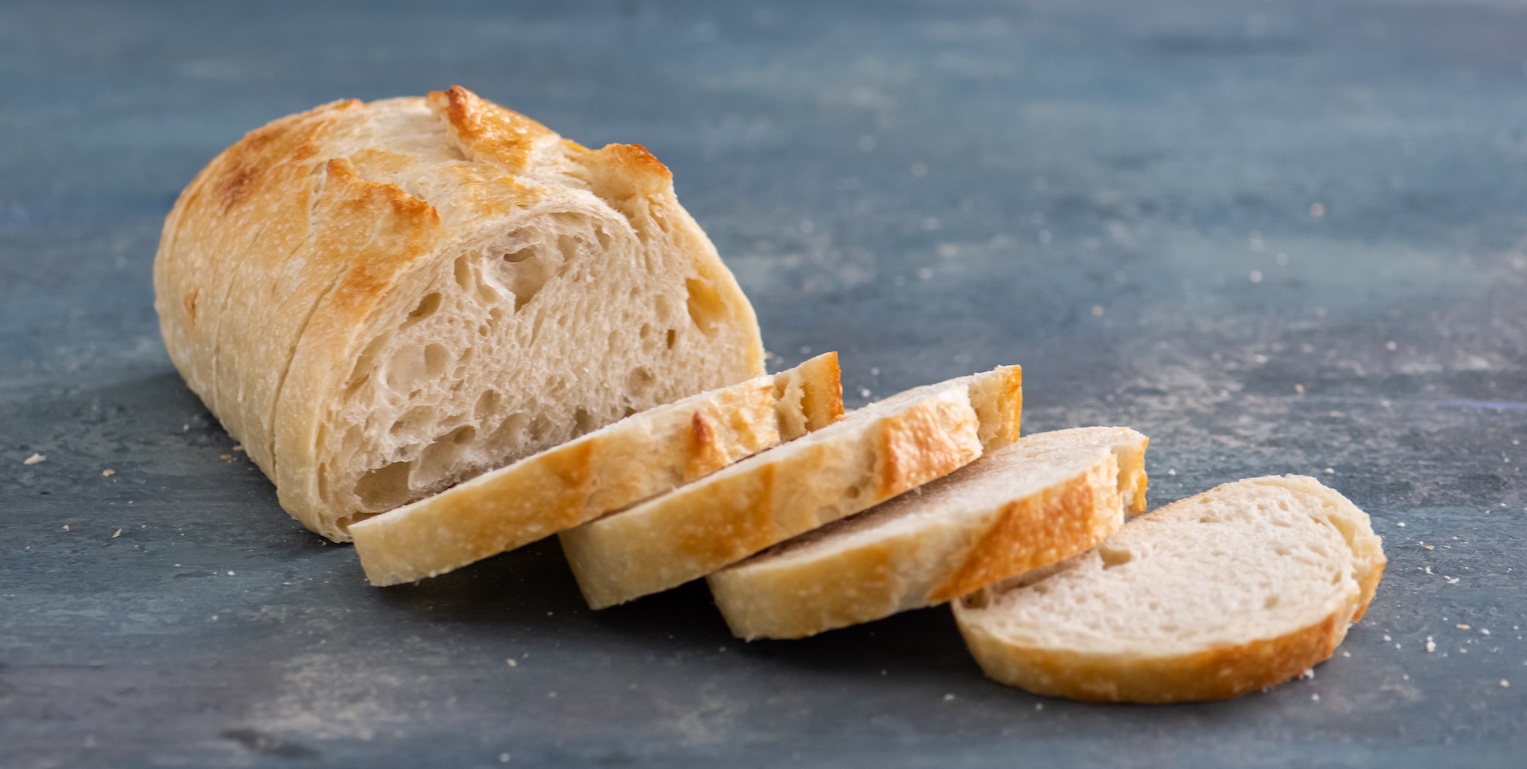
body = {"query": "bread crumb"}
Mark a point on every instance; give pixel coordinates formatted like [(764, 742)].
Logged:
[(864, 392), (1463, 627), (1097, 311), (1431, 645), (118, 533), (1299, 388), (552, 695), (1401, 524), (214, 618), (1431, 547), (1315, 697), (1504, 684), (1330, 471), (1039, 706), (1317, 210), (1307, 675), (66, 527), (225, 457), (239, 447), (1346, 653), (34, 459), (1255, 276), (1484, 631), (108, 472), (512, 663), (503, 758), (723, 650), (230, 573), (1387, 639), (1450, 580), (948, 697)]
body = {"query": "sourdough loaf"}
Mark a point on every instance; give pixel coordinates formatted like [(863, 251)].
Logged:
[(380, 300)]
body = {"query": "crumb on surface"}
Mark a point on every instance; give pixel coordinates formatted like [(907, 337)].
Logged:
[(116, 534), (35, 459), (108, 472)]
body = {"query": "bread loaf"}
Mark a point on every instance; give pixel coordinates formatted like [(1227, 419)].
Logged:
[(380, 300), (622, 463), (1233, 590), (1043, 499), (873, 454)]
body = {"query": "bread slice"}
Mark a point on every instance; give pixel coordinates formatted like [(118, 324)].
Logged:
[(638, 457), (872, 455), (1041, 500), (1233, 590), (379, 300)]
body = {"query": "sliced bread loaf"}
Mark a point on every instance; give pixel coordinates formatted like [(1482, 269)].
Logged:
[(379, 300), (638, 457), (871, 455), (1033, 503), (1233, 590)]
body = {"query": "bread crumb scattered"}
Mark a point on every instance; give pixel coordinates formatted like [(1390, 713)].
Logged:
[(34, 459), (1431, 547), (1401, 524), (1097, 311), (1317, 210), (1431, 645), (1450, 580), (1307, 675), (503, 758), (1299, 388), (1330, 471), (225, 457), (214, 618), (552, 695), (116, 534), (1484, 631), (1039, 706), (66, 527), (230, 573), (108, 472), (512, 663), (239, 447), (1463, 627), (1315, 697), (948, 697), (1504, 683)]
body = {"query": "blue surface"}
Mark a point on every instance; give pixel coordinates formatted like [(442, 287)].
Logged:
[(1275, 237)]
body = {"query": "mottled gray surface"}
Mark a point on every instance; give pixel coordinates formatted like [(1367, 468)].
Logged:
[(1276, 237)]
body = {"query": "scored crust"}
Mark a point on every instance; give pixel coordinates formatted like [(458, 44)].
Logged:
[(381, 299), (638, 457), (1038, 501), (1247, 650), (871, 455)]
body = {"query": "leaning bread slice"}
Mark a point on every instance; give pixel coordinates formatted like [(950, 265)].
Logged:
[(1236, 589), (638, 457), (870, 456), (1041, 500)]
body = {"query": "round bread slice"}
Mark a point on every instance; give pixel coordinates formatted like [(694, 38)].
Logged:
[(1233, 590), (615, 466), (873, 454), (381, 299), (1041, 500)]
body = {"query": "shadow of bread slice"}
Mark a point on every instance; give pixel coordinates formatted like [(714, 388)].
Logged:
[(638, 457), (1230, 591), (1041, 500), (873, 454)]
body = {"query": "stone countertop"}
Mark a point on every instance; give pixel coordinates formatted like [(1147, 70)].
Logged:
[(1275, 237)]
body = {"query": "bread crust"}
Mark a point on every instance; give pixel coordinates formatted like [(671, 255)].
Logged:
[(639, 457), (941, 558), (300, 243), (1211, 674), (700, 528)]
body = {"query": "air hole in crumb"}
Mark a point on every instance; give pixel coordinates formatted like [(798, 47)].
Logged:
[(540, 429), (439, 458), (487, 404), (1271, 602), (515, 257), (854, 493), (427, 307), (462, 270), (412, 418), (385, 487), (673, 338), (583, 421), (706, 307), (436, 358), (639, 382)]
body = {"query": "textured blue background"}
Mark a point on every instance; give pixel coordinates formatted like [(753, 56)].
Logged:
[(1276, 237)]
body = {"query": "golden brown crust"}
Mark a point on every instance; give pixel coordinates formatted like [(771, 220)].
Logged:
[(938, 559), (700, 528), (1213, 674), (1038, 531)]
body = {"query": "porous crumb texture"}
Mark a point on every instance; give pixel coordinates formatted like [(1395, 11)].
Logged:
[(379, 300), (1045, 498), (617, 465), (1237, 588), (870, 456)]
